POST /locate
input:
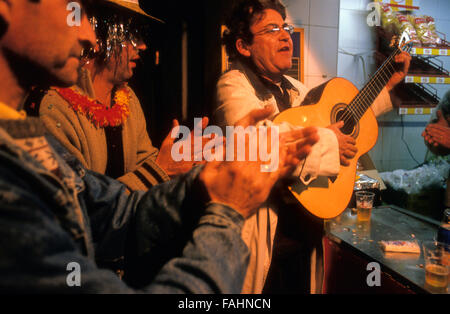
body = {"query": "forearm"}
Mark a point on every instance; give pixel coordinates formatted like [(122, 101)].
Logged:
[(147, 175), (117, 216), (383, 103), (213, 261), (166, 216), (438, 150)]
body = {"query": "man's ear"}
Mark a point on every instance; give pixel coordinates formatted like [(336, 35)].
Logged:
[(242, 48), (5, 15)]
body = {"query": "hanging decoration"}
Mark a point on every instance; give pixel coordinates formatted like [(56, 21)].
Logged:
[(99, 114)]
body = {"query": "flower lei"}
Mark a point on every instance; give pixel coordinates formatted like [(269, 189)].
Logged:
[(98, 113)]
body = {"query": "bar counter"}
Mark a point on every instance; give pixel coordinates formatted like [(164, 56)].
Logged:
[(351, 245)]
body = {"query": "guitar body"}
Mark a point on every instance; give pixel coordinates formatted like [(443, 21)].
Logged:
[(325, 105)]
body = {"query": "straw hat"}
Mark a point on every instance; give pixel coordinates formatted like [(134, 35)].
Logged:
[(133, 5)]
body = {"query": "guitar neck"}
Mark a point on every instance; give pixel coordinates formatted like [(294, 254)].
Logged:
[(373, 88)]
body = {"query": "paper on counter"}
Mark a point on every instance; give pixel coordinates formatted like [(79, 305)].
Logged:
[(400, 246)]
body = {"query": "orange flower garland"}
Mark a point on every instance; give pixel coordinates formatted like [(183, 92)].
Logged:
[(97, 112)]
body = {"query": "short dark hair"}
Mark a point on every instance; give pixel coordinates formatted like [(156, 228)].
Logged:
[(241, 18)]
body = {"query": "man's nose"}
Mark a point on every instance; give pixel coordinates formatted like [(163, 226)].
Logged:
[(284, 34), (87, 35), (141, 46)]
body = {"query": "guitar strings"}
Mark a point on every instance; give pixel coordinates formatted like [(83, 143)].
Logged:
[(380, 74), (361, 98), (389, 67), (372, 90), (354, 110)]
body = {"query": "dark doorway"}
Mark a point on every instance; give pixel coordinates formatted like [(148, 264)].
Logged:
[(158, 81)]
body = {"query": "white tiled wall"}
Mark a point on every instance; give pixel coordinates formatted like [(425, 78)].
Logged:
[(322, 59), (331, 26), (298, 11), (320, 21), (391, 151), (324, 13), (356, 37)]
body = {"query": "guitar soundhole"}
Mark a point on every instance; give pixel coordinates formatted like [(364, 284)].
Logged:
[(350, 123)]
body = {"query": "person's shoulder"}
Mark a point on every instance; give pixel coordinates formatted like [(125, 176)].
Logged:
[(51, 94), (234, 79), (133, 97), (52, 100), (134, 105), (296, 83), (129, 89), (232, 75)]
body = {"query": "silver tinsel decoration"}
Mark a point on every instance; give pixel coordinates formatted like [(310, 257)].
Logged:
[(118, 34)]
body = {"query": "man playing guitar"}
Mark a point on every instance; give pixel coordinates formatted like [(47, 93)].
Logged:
[(260, 47)]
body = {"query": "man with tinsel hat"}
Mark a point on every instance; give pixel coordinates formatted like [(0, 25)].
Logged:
[(100, 120)]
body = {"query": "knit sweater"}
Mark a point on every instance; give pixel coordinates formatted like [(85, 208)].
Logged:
[(88, 142)]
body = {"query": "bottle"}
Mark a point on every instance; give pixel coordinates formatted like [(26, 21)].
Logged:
[(444, 228)]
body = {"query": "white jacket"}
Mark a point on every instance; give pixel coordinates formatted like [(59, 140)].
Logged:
[(238, 93)]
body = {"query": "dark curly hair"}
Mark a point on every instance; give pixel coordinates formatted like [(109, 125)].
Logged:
[(241, 17)]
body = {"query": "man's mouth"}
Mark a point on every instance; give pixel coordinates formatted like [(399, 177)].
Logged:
[(135, 60), (285, 49)]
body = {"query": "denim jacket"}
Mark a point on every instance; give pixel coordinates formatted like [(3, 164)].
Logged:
[(170, 234)]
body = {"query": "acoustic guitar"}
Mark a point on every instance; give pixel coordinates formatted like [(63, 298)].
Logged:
[(334, 101)]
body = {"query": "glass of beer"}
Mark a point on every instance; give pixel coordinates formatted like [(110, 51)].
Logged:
[(364, 204), (436, 256)]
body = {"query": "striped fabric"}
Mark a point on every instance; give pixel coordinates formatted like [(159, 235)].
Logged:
[(144, 177)]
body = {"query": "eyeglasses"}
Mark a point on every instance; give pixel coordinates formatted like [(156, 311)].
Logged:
[(274, 29)]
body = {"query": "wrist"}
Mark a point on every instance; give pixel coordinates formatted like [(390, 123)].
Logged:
[(389, 87), (211, 198), (201, 191), (236, 208)]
